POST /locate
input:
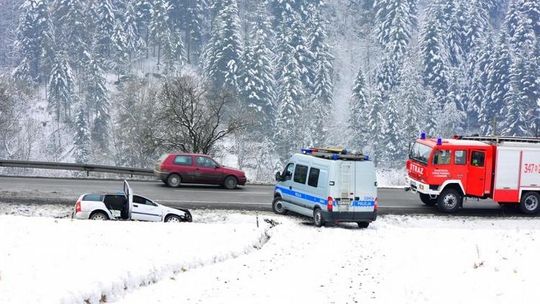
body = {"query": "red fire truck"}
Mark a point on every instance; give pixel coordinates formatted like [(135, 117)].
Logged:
[(505, 169)]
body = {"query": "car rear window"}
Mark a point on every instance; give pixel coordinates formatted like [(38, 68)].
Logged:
[(184, 160), (93, 197)]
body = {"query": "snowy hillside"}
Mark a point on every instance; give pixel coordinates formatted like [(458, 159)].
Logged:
[(98, 81)]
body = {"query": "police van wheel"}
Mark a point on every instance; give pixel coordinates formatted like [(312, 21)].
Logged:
[(363, 225), (278, 207), (449, 201), (318, 219), (530, 203), (427, 200)]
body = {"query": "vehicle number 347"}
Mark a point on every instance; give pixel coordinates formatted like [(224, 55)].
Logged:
[(531, 168)]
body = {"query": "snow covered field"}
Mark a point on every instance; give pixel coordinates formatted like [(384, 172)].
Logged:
[(223, 257)]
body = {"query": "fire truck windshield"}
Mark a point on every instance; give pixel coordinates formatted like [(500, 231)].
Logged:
[(420, 152)]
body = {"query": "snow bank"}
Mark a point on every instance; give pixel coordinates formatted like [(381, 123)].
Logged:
[(47, 260), (41, 210), (400, 259)]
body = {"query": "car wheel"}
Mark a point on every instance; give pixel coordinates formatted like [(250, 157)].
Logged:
[(99, 216), (230, 182), (278, 207), (427, 200), (363, 225), (530, 203), (188, 217), (171, 218), (174, 180), (318, 219), (449, 201)]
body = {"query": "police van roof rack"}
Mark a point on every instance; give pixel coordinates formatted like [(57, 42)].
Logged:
[(499, 139), (334, 154)]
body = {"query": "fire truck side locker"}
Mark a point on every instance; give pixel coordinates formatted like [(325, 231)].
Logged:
[(517, 169)]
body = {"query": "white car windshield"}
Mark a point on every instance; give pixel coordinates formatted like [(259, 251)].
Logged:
[(420, 152)]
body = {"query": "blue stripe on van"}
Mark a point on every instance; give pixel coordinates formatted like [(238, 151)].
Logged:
[(307, 197), (314, 199)]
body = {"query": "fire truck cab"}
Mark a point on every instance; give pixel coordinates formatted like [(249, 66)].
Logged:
[(505, 169)]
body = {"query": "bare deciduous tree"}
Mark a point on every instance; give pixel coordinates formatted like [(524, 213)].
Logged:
[(135, 129), (193, 119)]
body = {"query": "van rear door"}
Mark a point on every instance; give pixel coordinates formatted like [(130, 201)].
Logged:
[(346, 185), (364, 188)]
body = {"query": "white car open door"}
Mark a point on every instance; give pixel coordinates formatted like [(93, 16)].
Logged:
[(129, 195)]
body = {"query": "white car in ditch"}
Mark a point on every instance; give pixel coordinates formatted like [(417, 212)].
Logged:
[(126, 206)]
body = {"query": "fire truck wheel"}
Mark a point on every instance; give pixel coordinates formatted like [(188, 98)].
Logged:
[(427, 200), (530, 203), (449, 201)]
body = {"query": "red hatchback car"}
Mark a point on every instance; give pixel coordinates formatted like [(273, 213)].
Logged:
[(178, 168)]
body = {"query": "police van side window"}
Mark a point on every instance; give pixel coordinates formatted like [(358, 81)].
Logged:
[(300, 174), (460, 157), (313, 179), (288, 171)]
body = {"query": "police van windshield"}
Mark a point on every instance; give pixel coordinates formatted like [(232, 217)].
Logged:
[(420, 152)]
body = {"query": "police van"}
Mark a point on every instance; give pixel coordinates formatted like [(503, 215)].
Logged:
[(330, 185)]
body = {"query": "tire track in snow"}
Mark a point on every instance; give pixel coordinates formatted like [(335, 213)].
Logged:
[(170, 271)]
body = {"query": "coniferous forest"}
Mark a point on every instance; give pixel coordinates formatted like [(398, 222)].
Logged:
[(122, 81)]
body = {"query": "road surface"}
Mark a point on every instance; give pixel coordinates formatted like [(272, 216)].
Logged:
[(250, 197)]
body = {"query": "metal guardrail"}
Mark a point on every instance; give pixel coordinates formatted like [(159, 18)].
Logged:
[(75, 167)]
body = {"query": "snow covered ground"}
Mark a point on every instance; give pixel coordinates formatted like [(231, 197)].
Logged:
[(391, 178), (42, 210), (223, 257), (48, 260)]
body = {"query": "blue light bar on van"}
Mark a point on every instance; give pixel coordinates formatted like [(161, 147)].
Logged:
[(307, 151), (335, 156), (366, 157)]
